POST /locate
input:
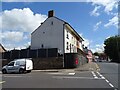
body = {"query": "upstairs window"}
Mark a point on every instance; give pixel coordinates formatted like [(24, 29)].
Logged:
[(67, 46), (42, 46), (52, 23), (67, 35), (72, 37)]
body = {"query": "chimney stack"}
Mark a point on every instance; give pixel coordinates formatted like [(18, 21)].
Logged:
[(50, 13)]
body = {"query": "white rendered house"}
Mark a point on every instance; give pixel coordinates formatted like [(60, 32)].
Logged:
[(56, 33)]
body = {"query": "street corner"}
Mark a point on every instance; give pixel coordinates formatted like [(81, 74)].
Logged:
[(97, 67)]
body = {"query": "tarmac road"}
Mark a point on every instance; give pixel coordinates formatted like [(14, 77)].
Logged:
[(88, 79)]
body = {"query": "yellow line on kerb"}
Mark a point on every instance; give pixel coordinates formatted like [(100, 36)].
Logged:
[(2, 82)]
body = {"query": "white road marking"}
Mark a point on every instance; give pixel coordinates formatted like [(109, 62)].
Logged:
[(105, 79), (12, 76), (2, 82), (111, 85), (62, 73), (16, 76), (63, 77), (99, 74), (56, 73), (71, 73), (94, 75)]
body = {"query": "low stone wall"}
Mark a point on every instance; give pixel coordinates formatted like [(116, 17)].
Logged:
[(48, 63), (43, 63)]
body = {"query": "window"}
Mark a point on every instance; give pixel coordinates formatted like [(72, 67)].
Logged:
[(67, 46), (22, 63), (42, 46), (72, 47), (67, 35), (72, 37), (18, 63), (52, 23), (11, 64)]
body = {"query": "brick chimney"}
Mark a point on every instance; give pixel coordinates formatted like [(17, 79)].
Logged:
[(50, 13)]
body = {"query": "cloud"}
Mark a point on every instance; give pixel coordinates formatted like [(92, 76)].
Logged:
[(12, 36), (112, 22), (108, 5), (98, 48), (97, 25), (21, 19), (10, 46), (17, 25), (94, 12), (87, 42), (94, 47)]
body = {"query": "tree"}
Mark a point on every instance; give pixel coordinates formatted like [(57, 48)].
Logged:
[(96, 54), (112, 48)]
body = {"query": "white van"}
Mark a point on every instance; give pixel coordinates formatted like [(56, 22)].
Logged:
[(18, 66)]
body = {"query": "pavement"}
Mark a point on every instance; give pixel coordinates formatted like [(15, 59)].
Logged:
[(91, 66)]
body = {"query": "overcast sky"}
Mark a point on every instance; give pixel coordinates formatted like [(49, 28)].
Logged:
[(94, 21)]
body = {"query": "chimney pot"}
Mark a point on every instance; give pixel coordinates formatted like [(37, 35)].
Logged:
[(50, 13)]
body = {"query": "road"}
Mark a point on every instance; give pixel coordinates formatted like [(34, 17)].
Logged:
[(110, 71), (105, 79)]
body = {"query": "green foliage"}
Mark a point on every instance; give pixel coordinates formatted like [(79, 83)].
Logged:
[(96, 54), (112, 48)]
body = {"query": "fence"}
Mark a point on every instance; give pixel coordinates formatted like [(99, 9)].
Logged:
[(28, 53)]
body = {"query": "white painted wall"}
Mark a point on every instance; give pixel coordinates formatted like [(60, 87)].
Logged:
[(72, 40), (51, 36), (80, 46)]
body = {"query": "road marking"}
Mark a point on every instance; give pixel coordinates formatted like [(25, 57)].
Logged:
[(2, 82), (94, 75), (111, 85), (63, 77), (71, 73), (62, 73), (12, 76), (105, 79), (56, 73)]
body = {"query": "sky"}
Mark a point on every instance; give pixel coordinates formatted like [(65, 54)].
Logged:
[(94, 20)]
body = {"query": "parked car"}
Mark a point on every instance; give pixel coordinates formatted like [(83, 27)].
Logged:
[(18, 66)]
